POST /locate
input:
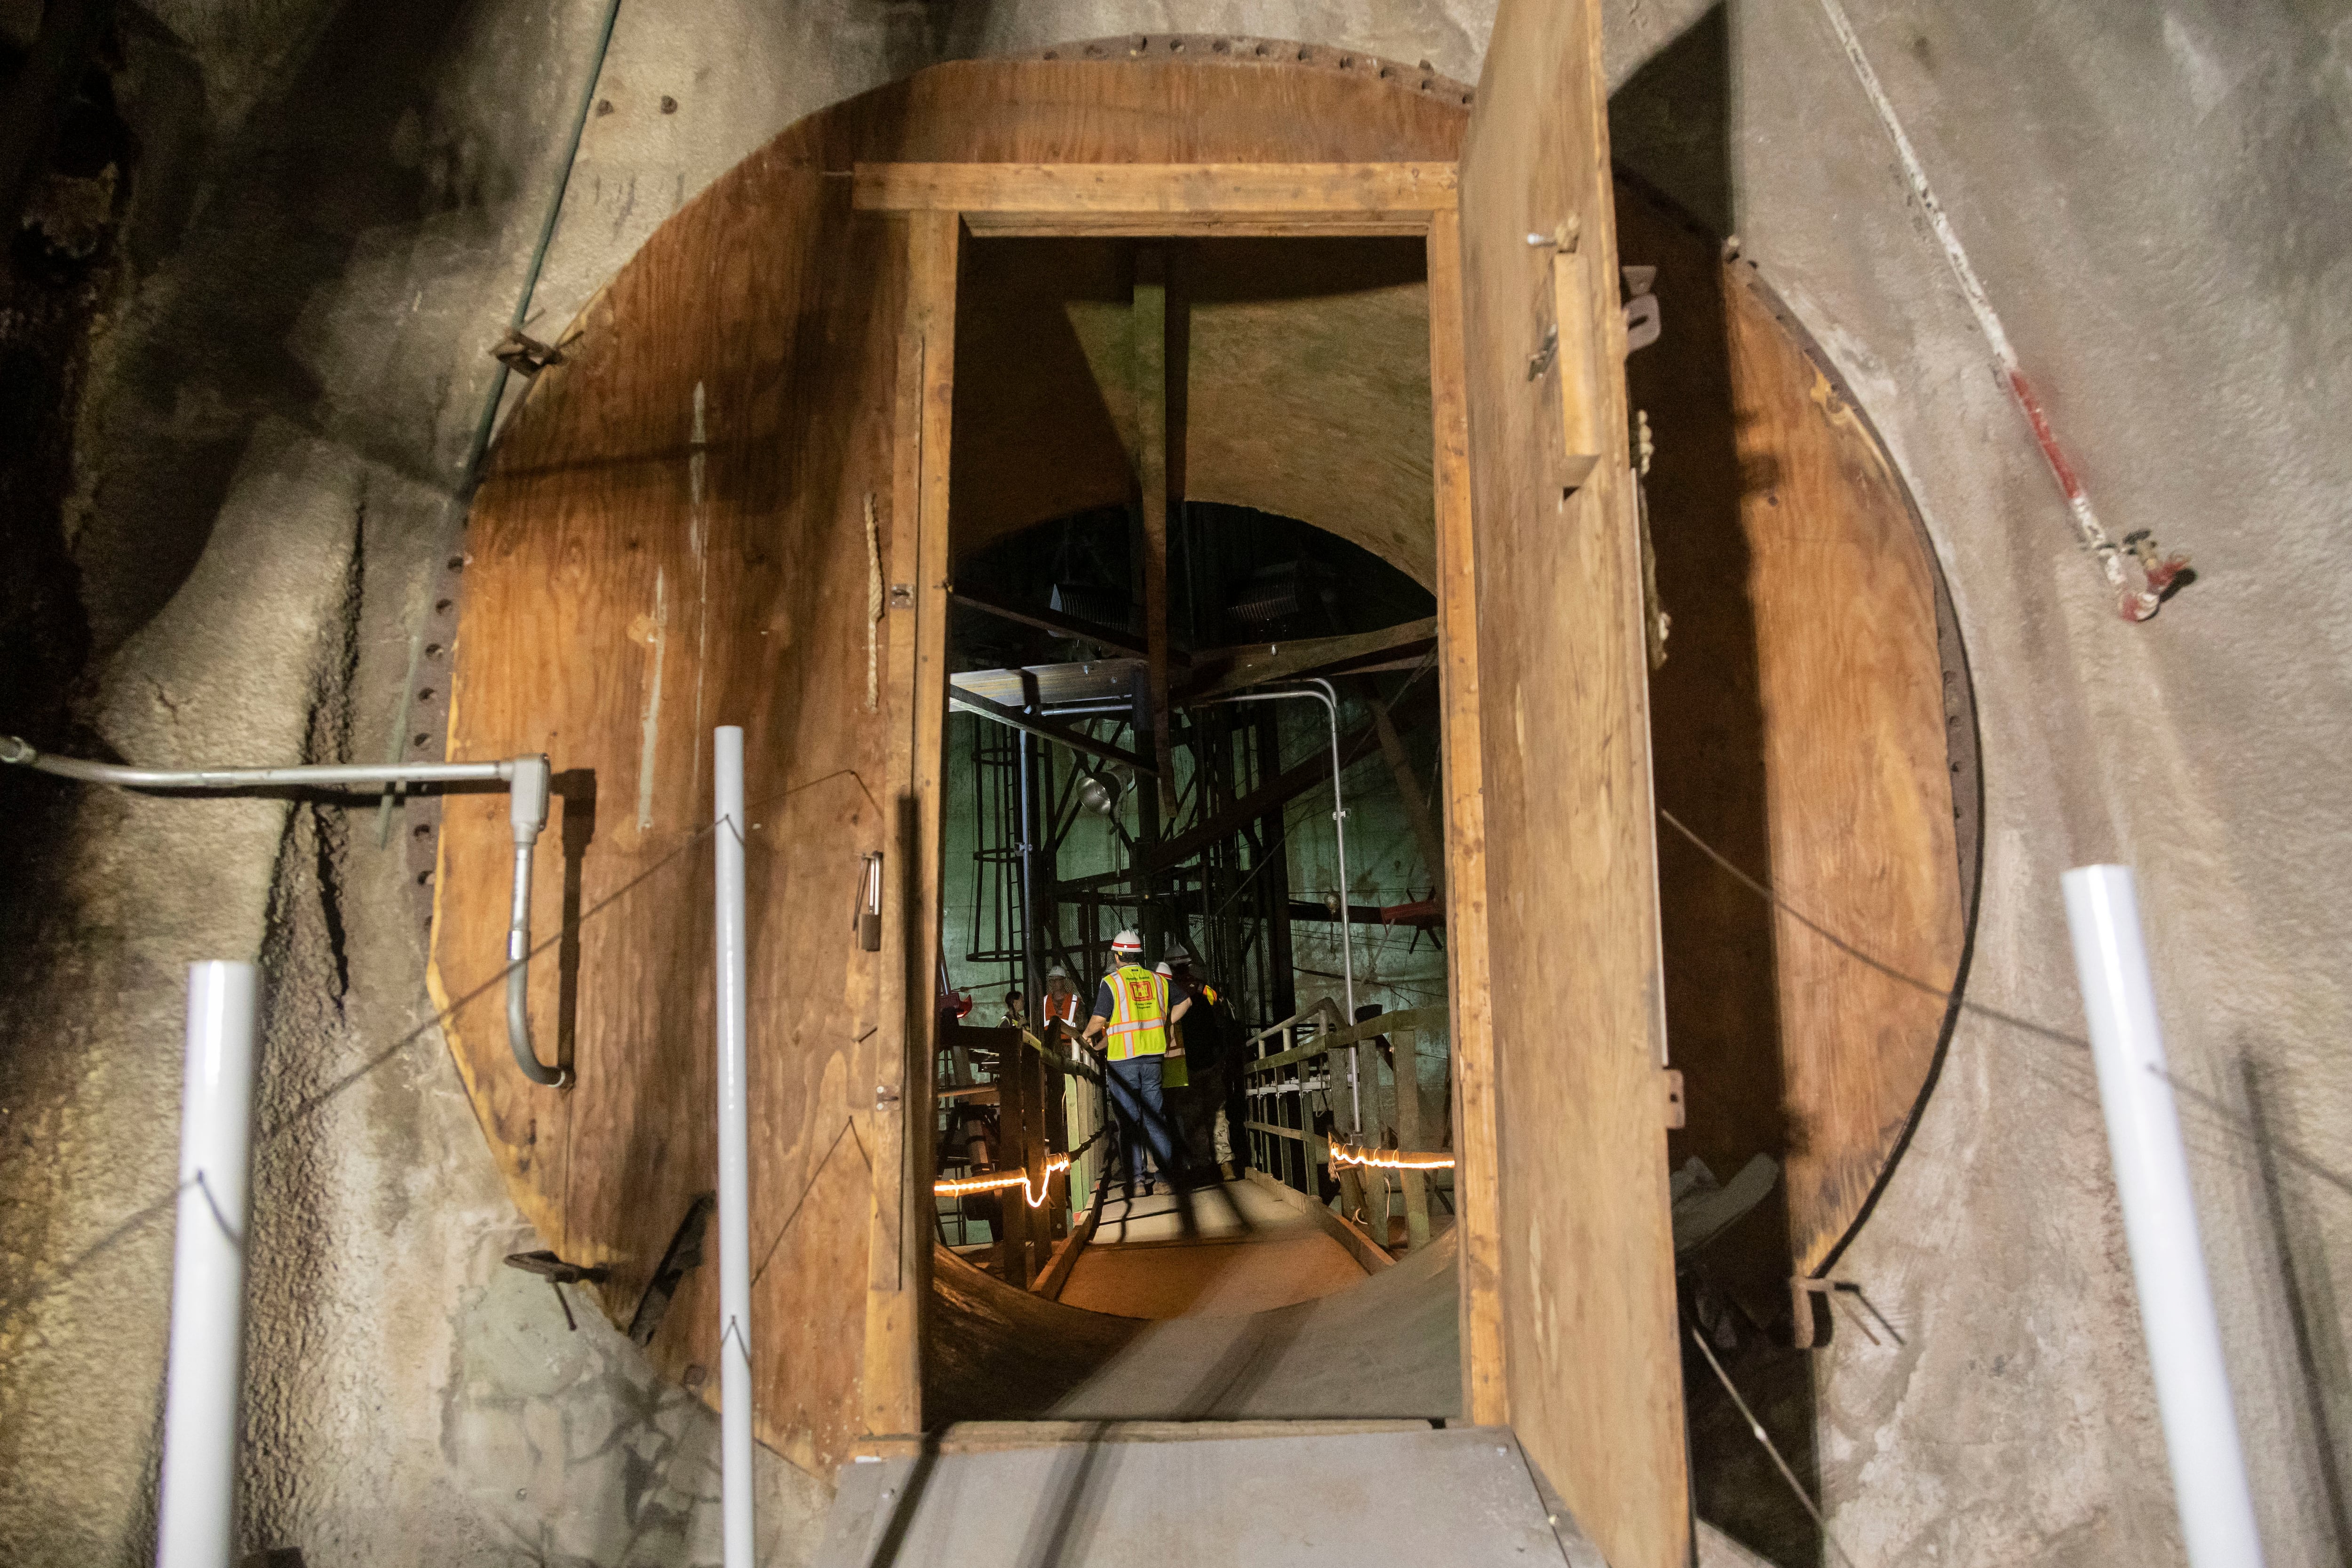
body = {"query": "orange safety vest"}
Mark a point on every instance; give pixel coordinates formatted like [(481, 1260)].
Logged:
[(1138, 1025)]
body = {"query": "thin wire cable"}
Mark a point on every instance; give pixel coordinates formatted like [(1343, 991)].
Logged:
[(312, 1103), (2079, 1087), (848, 1125), (1764, 1438), (2223, 1116), (480, 444), (122, 1229), (1947, 994)]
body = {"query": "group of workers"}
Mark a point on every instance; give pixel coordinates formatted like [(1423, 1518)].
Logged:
[(1169, 1094), (1167, 1104)]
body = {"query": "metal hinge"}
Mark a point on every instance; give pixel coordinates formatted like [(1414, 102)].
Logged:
[(527, 355)]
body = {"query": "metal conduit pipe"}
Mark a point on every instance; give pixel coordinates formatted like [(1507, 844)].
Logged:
[(527, 779), (1330, 700), (527, 792)]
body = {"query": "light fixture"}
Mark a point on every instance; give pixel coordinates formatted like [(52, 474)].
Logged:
[(1100, 792)]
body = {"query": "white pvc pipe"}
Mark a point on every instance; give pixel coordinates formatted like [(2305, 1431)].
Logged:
[(734, 1149), (196, 1517), (2175, 1298)]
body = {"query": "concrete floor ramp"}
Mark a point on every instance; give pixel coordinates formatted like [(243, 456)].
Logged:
[(1384, 1347), (1232, 1494)]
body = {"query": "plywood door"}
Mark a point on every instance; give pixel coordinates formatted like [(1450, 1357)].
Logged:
[(1805, 724), (678, 531), (1589, 1367)]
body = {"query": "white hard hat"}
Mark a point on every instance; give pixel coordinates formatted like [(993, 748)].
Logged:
[(1164, 969), (1127, 941), (1057, 973)]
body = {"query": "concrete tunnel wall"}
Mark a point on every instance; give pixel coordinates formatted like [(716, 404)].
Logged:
[(329, 219)]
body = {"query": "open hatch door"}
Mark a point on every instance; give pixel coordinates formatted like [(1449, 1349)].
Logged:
[(1590, 1372)]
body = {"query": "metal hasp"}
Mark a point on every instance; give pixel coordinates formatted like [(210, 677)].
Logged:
[(734, 1155), (526, 781), (2176, 1297), (195, 1516)]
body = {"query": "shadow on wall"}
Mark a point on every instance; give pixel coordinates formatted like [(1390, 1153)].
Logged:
[(929, 31), (301, 194), (1671, 122), (2305, 1289)]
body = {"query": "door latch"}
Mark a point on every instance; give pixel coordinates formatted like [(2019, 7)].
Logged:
[(869, 905)]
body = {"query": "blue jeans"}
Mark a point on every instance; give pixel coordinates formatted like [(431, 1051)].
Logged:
[(1135, 1095)]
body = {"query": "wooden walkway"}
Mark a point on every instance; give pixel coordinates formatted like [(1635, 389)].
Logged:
[(1220, 1252)]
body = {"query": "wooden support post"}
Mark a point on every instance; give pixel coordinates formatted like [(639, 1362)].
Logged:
[(1150, 325), (1021, 1124), (1476, 1193), (1352, 1193), (1406, 1044), (1054, 1137), (1251, 1112), (900, 1230)]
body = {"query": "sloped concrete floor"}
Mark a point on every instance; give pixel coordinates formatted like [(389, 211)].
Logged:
[(336, 205)]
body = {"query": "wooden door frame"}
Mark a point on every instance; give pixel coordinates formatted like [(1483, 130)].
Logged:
[(940, 203), (899, 1251)]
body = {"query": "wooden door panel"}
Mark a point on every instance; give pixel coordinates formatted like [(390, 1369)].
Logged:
[(1590, 1368), (673, 536)]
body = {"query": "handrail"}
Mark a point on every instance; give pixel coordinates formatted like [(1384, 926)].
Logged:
[(1415, 1018), (1344, 1152), (1301, 1015), (526, 781), (1067, 1066)]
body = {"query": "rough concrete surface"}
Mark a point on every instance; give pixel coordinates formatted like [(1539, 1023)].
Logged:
[(2147, 191), (330, 215)]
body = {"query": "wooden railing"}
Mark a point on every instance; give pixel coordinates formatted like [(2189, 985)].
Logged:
[(1282, 1133), (1026, 1189)]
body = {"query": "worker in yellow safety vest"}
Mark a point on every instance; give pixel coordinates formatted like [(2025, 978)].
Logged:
[(1132, 1017), (1173, 1073)]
